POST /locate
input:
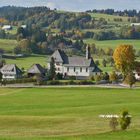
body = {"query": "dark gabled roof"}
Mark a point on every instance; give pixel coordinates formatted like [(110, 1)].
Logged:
[(80, 61), (37, 69), (11, 68), (59, 56), (96, 69)]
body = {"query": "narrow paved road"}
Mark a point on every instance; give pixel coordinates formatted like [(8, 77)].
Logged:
[(68, 86)]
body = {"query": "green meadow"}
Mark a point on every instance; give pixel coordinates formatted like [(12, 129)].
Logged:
[(110, 18), (28, 61), (66, 113), (114, 43), (7, 45)]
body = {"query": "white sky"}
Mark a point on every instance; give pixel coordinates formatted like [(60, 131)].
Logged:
[(76, 5)]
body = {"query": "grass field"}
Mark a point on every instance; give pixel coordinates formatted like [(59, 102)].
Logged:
[(66, 113), (7, 45), (114, 43), (28, 61), (97, 16)]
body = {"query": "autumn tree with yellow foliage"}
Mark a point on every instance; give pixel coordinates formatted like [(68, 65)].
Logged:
[(124, 57)]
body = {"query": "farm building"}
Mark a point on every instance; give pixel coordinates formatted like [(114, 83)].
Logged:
[(81, 67), (11, 72), (135, 24), (137, 72), (7, 27), (36, 69)]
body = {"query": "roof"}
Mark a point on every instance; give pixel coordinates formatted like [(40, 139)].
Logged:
[(96, 69), (6, 27), (37, 69), (10, 68), (80, 61), (76, 61), (60, 56)]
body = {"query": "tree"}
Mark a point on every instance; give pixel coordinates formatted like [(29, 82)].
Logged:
[(104, 62), (2, 63), (125, 120), (105, 76), (130, 79), (52, 72), (25, 46), (0, 76), (97, 78), (124, 58), (97, 62), (113, 77)]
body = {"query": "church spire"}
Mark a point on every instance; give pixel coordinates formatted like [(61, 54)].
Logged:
[(88, 55)]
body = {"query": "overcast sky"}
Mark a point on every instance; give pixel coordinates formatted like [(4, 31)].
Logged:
[(76, 5)]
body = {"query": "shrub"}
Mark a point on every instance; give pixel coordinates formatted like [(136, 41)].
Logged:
[(72, 77), (85, 82), (92, 78), (18, 81), (59, 76), (130, 79), (113, 123), (71, 82), (97, 78), (125, 120), (53, 82), (113, 77)]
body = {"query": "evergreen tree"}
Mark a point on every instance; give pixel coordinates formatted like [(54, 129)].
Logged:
[(52, 72)]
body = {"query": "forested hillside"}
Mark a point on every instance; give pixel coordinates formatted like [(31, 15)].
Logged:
[(47, 30)]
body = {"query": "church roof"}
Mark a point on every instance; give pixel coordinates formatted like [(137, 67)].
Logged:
[(59, 56), (80, 61), (75, 61)]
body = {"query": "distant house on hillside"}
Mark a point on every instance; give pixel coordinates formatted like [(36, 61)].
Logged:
[(11, 72), (81, 67), (137, 72), (24, 26), (7, 27), (36, 69), (135, 24)]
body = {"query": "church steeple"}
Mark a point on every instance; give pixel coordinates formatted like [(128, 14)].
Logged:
[(88, 55)]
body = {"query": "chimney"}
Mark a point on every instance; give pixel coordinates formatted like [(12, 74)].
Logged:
[(88, 55)]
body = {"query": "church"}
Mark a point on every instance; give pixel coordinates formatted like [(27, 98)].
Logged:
[(81, 67)]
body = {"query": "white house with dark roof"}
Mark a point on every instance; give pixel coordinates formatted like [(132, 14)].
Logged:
[(81, 67), (11, 72)]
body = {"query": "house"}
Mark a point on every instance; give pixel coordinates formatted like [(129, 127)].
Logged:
[(36, 69), (137, 71), (11, 72), (24, 26), (81, 67), (7, 27), (135, 24)]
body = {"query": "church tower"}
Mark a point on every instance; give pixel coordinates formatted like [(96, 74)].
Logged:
[(88, 55)]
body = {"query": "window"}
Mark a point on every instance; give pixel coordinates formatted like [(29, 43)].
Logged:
[(58, 64), (67, 69), (86, 69), (58, 69), (74, 69), (80, 69)]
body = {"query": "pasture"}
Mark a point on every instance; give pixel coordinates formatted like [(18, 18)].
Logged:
[(8, 45), (110, 18), (28, 61), (66, 113), (114, 43)]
